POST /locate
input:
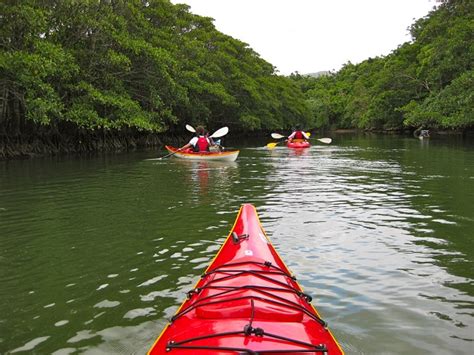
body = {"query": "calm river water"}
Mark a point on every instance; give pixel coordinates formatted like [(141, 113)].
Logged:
[(97, 253)]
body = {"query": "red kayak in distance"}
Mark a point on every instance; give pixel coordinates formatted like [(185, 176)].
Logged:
[(298, 143), (246, 302)]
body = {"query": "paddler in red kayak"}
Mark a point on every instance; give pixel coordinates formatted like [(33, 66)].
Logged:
[(200, 142), (297, 135)]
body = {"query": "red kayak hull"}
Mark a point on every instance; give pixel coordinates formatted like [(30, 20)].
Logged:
[(246, 302), (297, 143)]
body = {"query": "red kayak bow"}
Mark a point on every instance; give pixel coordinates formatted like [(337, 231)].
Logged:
[(246, 302)]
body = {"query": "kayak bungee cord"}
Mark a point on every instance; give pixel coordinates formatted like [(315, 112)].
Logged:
[(247, 331), (254, 273), (321, 348), (260, 273), (246, 302), (294, 307), (265, 263), (307, 297)]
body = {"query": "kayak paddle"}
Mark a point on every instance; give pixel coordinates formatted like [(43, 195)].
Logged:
[(272, 145), (217, 134), (322, 140), (190, 128), (277, 136), (170, 154), (221, 132)]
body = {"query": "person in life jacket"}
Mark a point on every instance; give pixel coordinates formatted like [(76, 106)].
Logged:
[(200, 142), (216, 145), (298, 134), (421, 133)]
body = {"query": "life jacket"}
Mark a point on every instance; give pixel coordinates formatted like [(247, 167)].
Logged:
[(298, 135), (202, 144)]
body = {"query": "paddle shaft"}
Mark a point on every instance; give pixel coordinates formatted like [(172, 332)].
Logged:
[(322, 140), (170, 154)]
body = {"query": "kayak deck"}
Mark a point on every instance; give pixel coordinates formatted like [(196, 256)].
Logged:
[(229, 155), (298, 143), (246, 302)]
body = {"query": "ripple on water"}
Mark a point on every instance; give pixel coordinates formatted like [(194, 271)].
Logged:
[(30, 345), (140, 312), (61, 323), (379, 242), (107, 304), (153, 280)]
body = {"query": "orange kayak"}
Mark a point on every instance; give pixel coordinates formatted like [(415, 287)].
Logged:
[(246, 302), (228, 155)]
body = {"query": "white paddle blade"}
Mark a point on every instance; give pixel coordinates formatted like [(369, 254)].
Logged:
[(325, 140), (220, 132), (277, 136), (190, 128)]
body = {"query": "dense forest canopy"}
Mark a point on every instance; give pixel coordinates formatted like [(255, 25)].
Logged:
[(426, 83), (151, 66)]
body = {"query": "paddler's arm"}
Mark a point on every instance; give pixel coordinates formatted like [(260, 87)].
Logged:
[(190, 144)]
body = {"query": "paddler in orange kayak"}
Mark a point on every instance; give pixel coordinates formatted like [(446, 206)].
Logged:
[(200, 142)]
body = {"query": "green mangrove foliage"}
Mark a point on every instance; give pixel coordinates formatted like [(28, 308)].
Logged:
[(132, 64), (426, 83)]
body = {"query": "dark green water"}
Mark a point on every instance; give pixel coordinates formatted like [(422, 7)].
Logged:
[(96, 253)]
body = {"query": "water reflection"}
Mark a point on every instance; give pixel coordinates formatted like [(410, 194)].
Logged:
[(206, 177), (96, 254), (299, 152), (358, 218)]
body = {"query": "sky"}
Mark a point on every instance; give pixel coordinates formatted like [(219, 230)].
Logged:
[(308, 36)]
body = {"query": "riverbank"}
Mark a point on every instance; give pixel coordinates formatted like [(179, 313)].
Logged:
[(34, 145), (50, 144)]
